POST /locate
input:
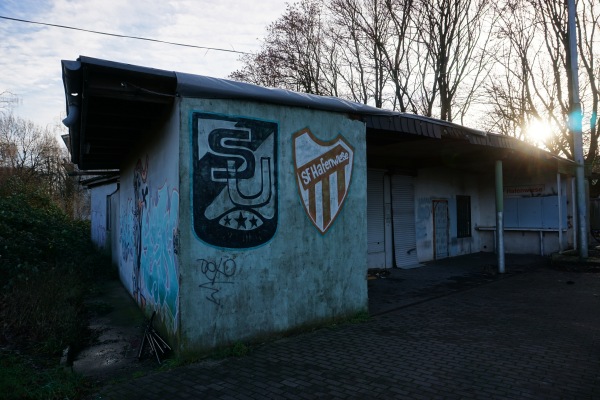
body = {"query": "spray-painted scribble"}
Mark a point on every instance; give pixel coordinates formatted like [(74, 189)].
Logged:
[(140, 191), (423, 218), (217, 274), (99, 236), (126, 231), (149, 239)]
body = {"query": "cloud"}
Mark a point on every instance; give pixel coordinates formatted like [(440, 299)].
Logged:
[(30, 66)]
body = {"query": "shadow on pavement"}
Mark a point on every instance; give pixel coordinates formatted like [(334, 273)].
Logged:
[(396, 288)]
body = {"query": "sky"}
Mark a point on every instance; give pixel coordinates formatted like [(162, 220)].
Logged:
[(30, 54)]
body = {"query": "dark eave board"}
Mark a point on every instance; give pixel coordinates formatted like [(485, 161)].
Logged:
[(112, 106)]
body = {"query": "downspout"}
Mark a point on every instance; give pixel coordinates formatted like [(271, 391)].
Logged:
[(72, 116), (109, 218), (499, 217)]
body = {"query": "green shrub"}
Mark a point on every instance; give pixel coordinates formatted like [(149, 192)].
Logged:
[(21, 378), (47, 264)]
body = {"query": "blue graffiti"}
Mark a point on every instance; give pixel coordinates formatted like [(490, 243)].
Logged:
[(159, 266), (126, 232), (149, 240)]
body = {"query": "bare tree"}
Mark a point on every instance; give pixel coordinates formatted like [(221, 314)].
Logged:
[(588, 39), (536, 71), (37, 158), (400, 63), (294, 54), (24, 146), (510, 89), (362, 29), (452, 36)]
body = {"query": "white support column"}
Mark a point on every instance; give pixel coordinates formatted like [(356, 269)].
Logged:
[(500, 217), (560, 211), (574, 219)]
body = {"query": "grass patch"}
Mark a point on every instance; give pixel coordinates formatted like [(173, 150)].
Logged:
[(359, 317), (238, 349), (138, 374), (21, 377)]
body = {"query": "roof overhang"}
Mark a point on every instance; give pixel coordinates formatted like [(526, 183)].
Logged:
[(462, 149), (110, 107), (113, 106)]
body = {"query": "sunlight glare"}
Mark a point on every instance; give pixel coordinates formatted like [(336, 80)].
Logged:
[(538, 131)]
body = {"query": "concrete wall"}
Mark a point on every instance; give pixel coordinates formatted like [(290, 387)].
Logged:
[(98, 218), (149, 225), (444, 184), (542, 186), (277, 256)]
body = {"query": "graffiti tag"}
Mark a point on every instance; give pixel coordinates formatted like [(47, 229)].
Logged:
[(216, 274)]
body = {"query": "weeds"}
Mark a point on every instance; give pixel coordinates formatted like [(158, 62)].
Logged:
[(238, 349), (359, 318), (22, 378), (47, 267)]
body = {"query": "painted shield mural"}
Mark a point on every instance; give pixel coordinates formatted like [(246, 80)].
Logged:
[(234, 189), (323, 173)]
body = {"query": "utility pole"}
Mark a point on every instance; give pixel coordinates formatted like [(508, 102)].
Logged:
[(575, 122)]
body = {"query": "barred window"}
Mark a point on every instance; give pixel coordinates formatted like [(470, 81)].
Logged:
[(463, 216)]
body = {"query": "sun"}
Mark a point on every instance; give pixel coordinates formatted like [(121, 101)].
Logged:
[(538, 131)]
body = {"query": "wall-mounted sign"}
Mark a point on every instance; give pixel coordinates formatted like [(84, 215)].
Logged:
[(323, 174), (234, 180), (524, 190)]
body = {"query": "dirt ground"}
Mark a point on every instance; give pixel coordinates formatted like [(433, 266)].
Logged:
[(117, 326)]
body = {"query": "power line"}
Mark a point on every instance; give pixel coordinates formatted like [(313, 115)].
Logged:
[(122, 36)]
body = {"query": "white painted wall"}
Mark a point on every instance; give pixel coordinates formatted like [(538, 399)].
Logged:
[(444, 184), (522, 242), (98, 218)]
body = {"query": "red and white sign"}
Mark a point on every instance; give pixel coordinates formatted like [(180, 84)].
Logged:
[(524, 191), (323, 174)]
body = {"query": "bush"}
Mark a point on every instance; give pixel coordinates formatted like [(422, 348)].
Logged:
[(21, 378), (47, 263)]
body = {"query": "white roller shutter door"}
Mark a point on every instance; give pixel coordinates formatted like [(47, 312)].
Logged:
[(403, 219)]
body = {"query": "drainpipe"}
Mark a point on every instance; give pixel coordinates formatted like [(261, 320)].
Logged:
[(72, 116), (499, 217)]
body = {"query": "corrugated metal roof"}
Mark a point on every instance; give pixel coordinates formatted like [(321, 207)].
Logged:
[(199, 86), (111, 105)]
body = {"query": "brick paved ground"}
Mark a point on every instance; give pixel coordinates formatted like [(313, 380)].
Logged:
[(529, 335)]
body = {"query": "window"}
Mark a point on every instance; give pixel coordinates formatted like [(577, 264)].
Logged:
[(463, 216)]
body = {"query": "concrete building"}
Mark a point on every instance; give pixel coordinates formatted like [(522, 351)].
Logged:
[(243, 211)]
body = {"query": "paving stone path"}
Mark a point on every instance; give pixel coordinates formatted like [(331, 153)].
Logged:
[(532, 335)]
